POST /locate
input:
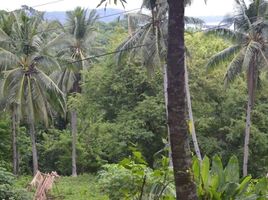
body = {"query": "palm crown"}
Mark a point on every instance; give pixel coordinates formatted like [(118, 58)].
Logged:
[(26, 63), (247, 54)]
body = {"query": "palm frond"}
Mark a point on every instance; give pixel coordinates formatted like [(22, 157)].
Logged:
[(48, 85), (3, 36), (46, 62), (193, 20), (250, 51), (8, 59), (136, 39), (222, 56), (47, 82), (40, 102), (234, 68), (226, 33), (92, 17), (242, 20)]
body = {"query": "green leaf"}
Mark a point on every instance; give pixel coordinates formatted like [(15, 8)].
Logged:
[(243, 185), (262, 186), (229, 190), (196, 169), (205, 171), (125, 162), (217, 169), (231, 171)]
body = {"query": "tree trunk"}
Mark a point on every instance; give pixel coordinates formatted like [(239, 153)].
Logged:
[(181, 155), (74, 138), (130, 31), (34, 150), (14, 141), (251, 81), (76, 89), (166, 106), (191, 118), (247, 132)]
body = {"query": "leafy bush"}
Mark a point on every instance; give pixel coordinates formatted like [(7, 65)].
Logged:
[(132, 179), (7, 191), (215, 182), (118, 182)]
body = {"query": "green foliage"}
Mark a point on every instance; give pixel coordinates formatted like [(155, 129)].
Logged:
[(121, 106), (215, 182), (55, 151), (124, 107), (219, 112), (24, 147), (7, 190), (118, 182), (132, 179), (79, 188), (5, 142)]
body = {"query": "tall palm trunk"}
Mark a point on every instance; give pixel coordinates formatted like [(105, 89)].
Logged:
[(191, 118), (34, 149), (74, 139), (251, 88), (166, 106), (14, 141), (130, 30), (247, 133), (76, 89), (181, 156)]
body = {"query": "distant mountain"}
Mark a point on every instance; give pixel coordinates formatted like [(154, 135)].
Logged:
[(215, 20), (107, 15), (111, 14)]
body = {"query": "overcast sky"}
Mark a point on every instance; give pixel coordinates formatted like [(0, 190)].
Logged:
[(198, 8)]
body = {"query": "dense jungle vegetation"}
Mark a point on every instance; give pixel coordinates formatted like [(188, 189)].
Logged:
[(87, 99)]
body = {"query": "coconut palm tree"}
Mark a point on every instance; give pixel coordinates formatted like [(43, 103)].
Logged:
[(77, 44), (185, 188), (6, 21), (150, 33), (25, 63), (247, 54)]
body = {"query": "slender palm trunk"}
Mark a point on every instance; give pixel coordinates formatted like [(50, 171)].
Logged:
[(74, 139), (34, 149), (181, 156), (247, 133), (166, 106), (130, 31), (251, 88), (76, 89), (191, 118), (14, 141)]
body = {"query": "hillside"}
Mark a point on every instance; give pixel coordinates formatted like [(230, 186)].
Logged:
[(103, 14)]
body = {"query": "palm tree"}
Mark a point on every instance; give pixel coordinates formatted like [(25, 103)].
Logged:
[(6, 21), (78, 43), (152, 37), (185, 187), (248, 53), (26, 62)]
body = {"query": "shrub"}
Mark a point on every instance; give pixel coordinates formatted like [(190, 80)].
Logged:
[(7, 190), (132, 179)]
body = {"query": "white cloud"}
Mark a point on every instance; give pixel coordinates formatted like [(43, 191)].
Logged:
[(212, 8)]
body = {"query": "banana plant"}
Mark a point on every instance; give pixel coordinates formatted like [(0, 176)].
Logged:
[(215, 182)]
